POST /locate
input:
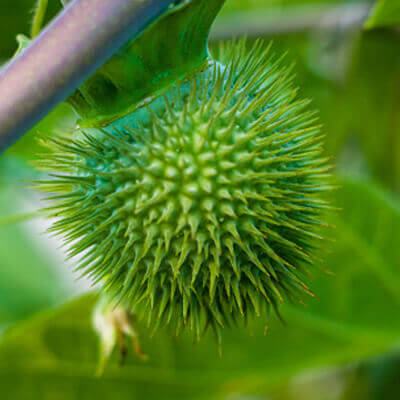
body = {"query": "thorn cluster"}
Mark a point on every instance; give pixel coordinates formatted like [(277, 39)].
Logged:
[(208, 210)]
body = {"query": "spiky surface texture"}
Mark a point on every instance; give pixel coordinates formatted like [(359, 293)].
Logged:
[(208, 211)]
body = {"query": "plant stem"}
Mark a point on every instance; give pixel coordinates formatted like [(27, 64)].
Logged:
[(38, 18), (80, 40)]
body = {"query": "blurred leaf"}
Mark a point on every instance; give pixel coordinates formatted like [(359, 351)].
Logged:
[(377, 379), (370, 100), (29, 282), (353, 318), (384, 13)]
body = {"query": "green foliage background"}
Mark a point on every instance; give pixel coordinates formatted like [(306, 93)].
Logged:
[(343, 345)]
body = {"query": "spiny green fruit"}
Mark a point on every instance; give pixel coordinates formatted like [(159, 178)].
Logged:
[(206, 209)]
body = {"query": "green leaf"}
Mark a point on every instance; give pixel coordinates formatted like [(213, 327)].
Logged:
[(166, 53), (384, 13), (353, 318)]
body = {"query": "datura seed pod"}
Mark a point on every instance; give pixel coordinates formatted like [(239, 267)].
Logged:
[(202, 207)]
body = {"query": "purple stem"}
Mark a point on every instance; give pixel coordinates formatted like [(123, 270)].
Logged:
[(79, 41)]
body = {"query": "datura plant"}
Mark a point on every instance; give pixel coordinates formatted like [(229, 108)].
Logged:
[(199, 206)]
